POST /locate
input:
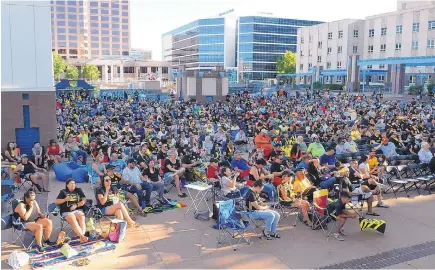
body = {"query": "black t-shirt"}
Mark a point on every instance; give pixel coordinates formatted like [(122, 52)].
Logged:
[(353, 178), (276, 167), (139, 157), (336, 208), (115, 178), (161, 155), (153, 176), (153, 149), (76, 196), (112, 193), (175, 165), (189, 159), (252, 197)]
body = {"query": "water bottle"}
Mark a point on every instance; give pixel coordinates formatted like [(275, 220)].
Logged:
[(90, 227)]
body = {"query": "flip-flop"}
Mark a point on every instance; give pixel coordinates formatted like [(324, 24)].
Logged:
[(373, 214)]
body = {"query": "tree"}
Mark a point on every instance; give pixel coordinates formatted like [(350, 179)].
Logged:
[(71, 72), (91, 72), (286, 63), (59, 66)]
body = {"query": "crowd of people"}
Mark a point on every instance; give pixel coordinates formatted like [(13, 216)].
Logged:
[(277, 148)]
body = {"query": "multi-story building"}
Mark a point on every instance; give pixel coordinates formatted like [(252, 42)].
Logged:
[(260, 40), (199, 45), (249, 43), (328, 46), (141, 54), (90, 29)]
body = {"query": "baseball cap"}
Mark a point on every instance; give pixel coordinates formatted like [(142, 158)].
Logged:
[(385, 140), (24, 155), (110, 167), (264, 131), (131, 160)]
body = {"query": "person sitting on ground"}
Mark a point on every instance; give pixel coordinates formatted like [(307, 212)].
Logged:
[(302, 186), (288, 198), (28, 169), (261, 210), (109, 204), (173, 171), (54, 152), (39, 225), (76, 152), (230, 187), (425, 155), (71, 201), (315, 148), (337, 210), (37, 154)]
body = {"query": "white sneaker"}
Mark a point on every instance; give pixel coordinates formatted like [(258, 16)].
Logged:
[(338, 237), (342, 232)]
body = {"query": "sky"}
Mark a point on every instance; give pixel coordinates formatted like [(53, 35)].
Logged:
[(152, 18)]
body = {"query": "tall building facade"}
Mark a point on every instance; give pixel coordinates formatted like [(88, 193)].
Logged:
[(90, 29), (199, 45), (141, 54), (328, 46), (249, 44), (260, 40)]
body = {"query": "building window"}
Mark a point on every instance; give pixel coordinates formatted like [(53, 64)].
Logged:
[(25, 96), (105, 39), (371, 32), (329, 50), (383, 47), (381, 78), (369, 66), (302, 53), (302, 40), (73, 51), (328, 65), (319, 45), (311, 39), (415, 44), (399, 29), (301, 67), (381, 66), (309, 53), (430, 44), (330, 35), (384, 31), (340, 34), (319, 59), (370, 49), (431, 25), (165, 70), (398, 46), (339, 49), (415, 27), (338, 65), (355, 33), (310, 66), (355, 49), (338, 79), (95, 52)]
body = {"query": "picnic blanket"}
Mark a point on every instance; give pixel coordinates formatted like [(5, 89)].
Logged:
[(53, 256)]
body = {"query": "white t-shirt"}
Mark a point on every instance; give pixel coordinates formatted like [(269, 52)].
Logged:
[(226, 189)]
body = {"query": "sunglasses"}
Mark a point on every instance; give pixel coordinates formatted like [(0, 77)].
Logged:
[(107, 180)]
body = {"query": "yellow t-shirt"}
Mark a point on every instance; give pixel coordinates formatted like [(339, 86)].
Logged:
[(355, 135), (373, 162), (300, 186), (84, 138)]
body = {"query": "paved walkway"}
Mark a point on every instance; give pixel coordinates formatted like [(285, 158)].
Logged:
[(173, 240)]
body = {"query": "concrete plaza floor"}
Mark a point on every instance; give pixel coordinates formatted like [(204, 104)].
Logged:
[(174, 240)]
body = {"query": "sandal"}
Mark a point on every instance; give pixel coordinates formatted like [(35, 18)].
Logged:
[(275, 235), (182, 195), (373, 214), (134, 225), (268, 237), (306, 223)]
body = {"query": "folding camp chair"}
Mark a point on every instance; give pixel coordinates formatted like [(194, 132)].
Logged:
[(393, 179), (405, 174), (230, 226), (8, 190), (54, 210), (320, 214)]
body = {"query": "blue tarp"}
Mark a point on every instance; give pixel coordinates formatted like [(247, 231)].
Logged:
[(73, 85)]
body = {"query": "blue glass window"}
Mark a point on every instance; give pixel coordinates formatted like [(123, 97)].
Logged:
[(72, 3), (61, 30), (71, 37), (125, 34), (115, 12), (115, 46), (106, 52), (61, 44), (72, 17), (115, 19), (210, 58), (60, 23), (95, 45), (94, 3), (104, 25), (94, 18), (125, 26), (115, 5), (72, 30), (250, 47), (105, 11), (105, 39), (95, 24), (95, 52), (94, 11), (94, 31), (73, 44), (115, 32), (25, 96), (125, 7), (72, 9), (60, 9), (258, 57), (124, 13), (268, 38), (219, 29), (211, 48), (211, 39), (61, 37), (60, 16), (104, 4), (72, 23), (115, 39), (95, 38), (115, 25), (105, 32), (104, 18), (124, 20), (125, 40), (105, 45)]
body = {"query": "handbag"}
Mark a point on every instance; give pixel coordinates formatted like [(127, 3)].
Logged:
[(118, 229), (18, 259)]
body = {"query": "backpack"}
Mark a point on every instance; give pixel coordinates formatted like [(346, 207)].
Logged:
[(215, 215)]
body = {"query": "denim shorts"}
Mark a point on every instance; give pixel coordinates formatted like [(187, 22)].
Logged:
[(64, 214), (104, 210), (167, 177)]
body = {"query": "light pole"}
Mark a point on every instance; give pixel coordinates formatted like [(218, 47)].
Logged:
[(312, 81)]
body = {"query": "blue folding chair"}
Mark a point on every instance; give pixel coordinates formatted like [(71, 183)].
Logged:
[(230, 226), (8, 190)]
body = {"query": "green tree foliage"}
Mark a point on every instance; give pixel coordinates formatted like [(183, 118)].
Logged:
[(286, 63), (59, 66), (91, 72), (71, 72)]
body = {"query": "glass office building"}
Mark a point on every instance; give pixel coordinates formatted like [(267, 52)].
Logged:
[(198, 45), (260, 40)]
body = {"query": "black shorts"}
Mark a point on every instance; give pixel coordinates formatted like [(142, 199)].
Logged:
[(371, 187)]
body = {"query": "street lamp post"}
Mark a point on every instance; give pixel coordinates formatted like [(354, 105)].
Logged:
[(312, 81)]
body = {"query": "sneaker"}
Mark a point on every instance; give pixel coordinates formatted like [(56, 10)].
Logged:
[(342, 232), (48, 243), (40, 249), (338, 237), (382, 204)]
